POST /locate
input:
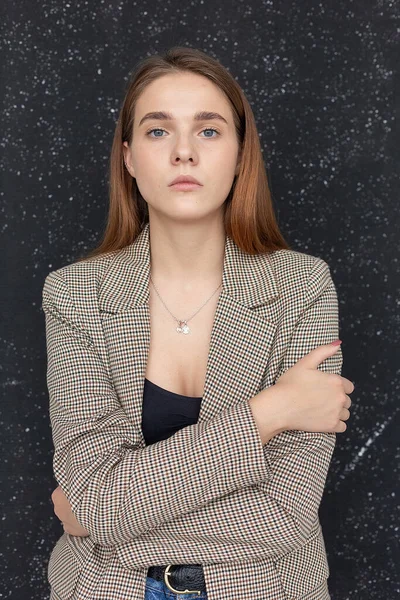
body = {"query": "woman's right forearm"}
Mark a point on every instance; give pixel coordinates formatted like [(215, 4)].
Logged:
[(268, 414)]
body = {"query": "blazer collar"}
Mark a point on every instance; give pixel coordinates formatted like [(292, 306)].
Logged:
[(248, 279), (241, 360)]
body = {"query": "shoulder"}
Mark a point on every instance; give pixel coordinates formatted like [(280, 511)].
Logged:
[(293, 268), (79, 277)]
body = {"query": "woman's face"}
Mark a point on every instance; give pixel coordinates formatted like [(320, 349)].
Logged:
[(163, 148)]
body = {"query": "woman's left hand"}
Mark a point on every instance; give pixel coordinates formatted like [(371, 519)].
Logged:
[(62, 509)]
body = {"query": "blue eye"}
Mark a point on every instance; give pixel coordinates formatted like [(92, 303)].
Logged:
[(160, 129), (211, 129), (151, 130)]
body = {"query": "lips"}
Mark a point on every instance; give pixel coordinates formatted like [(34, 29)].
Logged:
[(185, 179), (186, 186)]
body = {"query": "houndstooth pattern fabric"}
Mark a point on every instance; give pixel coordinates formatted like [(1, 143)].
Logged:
[(211, 494)]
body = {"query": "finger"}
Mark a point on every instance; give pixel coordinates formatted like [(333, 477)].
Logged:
[(314, 358), (344, 414), (341, 427), (348, 385), (347, 402)]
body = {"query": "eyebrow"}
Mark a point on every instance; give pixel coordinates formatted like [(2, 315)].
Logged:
[(202, 115)]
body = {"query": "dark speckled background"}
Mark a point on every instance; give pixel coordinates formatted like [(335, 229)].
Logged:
[(322, 80)]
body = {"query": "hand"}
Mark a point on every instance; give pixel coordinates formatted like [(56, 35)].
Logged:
[(304, 398), (313, 400), (62, 509)]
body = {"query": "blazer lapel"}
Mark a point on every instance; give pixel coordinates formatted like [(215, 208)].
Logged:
[(241, 339)]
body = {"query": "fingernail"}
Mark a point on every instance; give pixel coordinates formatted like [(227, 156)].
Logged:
[(336, 342)]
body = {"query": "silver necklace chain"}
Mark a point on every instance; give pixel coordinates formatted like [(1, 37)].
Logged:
[(183, 327)]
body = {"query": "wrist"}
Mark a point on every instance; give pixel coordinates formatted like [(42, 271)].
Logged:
[(268, 413)]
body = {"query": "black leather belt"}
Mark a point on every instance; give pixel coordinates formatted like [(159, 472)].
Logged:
[(182, 576)]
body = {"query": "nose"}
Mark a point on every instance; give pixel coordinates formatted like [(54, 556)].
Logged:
[(178, 158), (184, 150)]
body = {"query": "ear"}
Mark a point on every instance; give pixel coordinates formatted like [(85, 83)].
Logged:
[(128, 159), (238, 162)]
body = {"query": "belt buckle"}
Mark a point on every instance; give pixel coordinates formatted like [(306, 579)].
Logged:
[(167, 572)]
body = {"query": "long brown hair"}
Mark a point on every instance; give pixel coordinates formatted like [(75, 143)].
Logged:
[(249, 216)]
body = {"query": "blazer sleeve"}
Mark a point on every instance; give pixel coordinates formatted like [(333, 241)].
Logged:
[(275, 516), (116, 489)]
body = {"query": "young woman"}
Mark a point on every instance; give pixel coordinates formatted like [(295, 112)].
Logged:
[(195, 393)]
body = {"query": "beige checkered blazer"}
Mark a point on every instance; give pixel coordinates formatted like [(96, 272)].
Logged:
[(210, 494)]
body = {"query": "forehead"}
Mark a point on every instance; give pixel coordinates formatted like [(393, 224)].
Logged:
[(182, 95)]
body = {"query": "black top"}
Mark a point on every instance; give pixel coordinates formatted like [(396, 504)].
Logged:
[(165, 412)]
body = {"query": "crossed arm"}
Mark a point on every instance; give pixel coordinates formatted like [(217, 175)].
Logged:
[(266, 507)]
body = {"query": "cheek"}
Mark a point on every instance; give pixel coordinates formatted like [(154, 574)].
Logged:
[(149, 180), (146, 163), (223, 167), (223, 156)]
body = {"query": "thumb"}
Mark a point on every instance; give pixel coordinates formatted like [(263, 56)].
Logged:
[(318, 355)]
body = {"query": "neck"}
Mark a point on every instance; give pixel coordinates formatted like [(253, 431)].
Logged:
[(187, 256)]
